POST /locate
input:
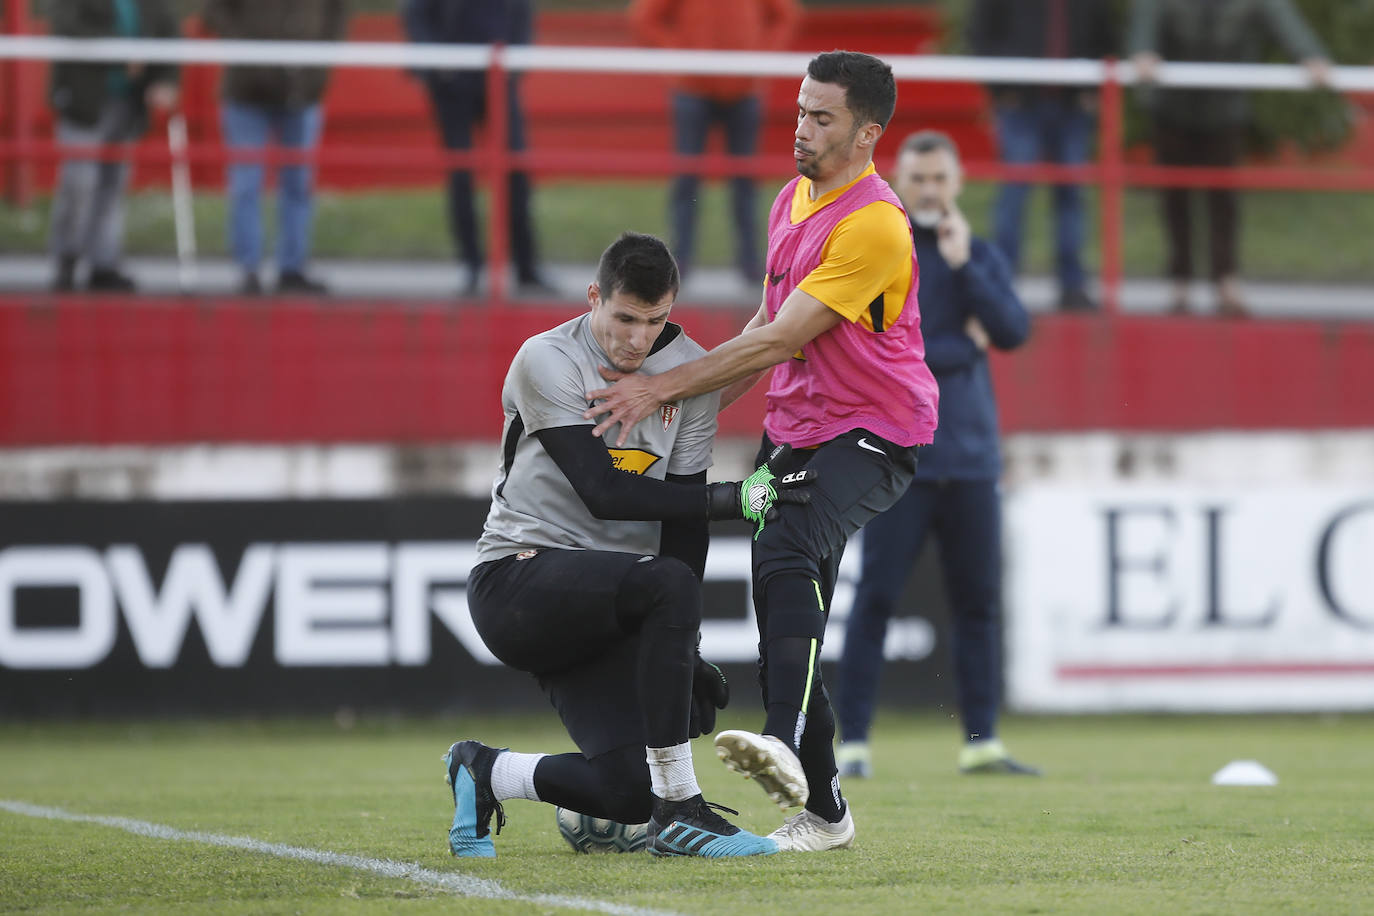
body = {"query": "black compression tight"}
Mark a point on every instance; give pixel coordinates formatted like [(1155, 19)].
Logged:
[(613, 785)]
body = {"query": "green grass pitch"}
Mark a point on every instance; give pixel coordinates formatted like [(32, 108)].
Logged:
[(1125, 821)]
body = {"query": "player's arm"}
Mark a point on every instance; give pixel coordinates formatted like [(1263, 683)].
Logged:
[(735, 390), (610, 493), (687, 539), (985, 286), (801, 319)]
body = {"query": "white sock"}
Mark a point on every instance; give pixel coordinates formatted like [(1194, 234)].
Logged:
[(671, 774), (512, 775)]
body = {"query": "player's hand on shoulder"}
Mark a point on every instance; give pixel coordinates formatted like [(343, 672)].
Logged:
[(627, 401)]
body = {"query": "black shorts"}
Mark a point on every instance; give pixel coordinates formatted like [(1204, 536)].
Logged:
[(553, 614), (860, 475)]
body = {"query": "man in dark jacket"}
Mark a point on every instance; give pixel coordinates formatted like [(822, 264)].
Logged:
[(459, 98), (967, 305), (1207, 127), (1044, 123), (262, 103), (96, 104)]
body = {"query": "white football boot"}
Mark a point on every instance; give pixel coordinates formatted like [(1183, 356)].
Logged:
[(807, 832), (767, 761)]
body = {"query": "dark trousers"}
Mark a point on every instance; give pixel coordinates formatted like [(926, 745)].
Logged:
[(795, 562), (693, 116), (458, 109), (965, 517), (611, 637), (1212, 146)]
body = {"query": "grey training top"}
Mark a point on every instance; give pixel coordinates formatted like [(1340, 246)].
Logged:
[(532, 504)]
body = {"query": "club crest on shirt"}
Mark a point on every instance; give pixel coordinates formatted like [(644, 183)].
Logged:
[(669, 412)]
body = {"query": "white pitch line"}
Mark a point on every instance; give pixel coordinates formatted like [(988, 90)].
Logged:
[(462, 885)]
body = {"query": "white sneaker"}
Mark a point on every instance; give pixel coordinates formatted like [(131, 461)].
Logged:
[(807, 832), (767, 761)]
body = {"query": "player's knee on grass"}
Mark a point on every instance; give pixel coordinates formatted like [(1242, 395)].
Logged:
[(663, 589)]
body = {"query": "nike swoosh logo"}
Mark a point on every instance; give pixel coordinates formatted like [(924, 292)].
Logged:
[(775, 279), (864, 443)]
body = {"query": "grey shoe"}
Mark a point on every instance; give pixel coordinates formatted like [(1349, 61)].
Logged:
[(854, 760), (991, 757)]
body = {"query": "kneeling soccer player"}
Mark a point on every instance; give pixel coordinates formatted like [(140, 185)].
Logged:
[(589, 575)]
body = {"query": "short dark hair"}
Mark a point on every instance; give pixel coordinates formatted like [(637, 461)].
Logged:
[(640, 265), (870, 91), (928, 141)]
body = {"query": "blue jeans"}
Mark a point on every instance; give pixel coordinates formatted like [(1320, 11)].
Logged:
[(1044, 129), (693, 116), (966, 517), (253, 127)]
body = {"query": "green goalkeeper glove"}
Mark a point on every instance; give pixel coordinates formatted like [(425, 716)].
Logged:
[(756, 497)]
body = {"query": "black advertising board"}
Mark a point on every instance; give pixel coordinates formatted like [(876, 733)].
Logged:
[(182, 607)]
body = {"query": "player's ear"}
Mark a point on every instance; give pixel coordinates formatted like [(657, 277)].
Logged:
[(868, 136), (593, 294)]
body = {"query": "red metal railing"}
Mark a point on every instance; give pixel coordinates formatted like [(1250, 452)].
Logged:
[(1112, 173)]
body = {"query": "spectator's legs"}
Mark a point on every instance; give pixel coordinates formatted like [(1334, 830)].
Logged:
[(1223, 148), (891, 544), (1173, 146), (741, 139), (245, 127), (105, 242), (691, 116), (1018, 140), (88, 206), (1069, 142), (522, 241), (72, 201), (299, 129), (1223, 210), (456, 111), (968, 524)]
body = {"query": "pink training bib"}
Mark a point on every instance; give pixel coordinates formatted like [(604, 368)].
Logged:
[(850, 377)]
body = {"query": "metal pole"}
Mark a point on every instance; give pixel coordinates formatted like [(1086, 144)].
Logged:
[(498, 176), (183, 211), (19, 124), (1110, 151)]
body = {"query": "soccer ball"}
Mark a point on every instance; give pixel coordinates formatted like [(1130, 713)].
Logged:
[(596, 834)]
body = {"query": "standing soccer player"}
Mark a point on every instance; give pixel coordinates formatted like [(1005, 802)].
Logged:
[(970, 307), (850, 393), (589, 575)]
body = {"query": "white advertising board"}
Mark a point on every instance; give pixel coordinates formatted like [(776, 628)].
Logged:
[(1186, 597)]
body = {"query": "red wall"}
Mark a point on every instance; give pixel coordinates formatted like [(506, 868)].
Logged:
[(139, 371)]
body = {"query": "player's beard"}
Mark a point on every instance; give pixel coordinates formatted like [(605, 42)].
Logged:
[(810, 167)]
